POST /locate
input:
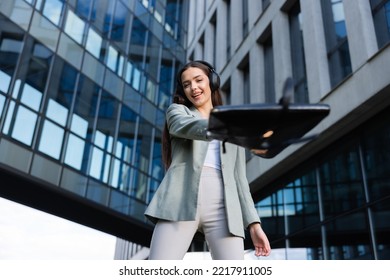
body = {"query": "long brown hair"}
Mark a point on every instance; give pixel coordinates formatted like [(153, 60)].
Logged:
[(180, 98)]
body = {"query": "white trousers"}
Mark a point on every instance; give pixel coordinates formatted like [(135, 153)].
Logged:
[(171, 240)]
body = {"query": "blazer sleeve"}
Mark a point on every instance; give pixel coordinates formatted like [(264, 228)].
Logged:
[(249, 212), (184, 123)]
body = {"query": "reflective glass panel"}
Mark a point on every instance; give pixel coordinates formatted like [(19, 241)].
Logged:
[(94, 43), (52, 10), (24, 126), (376, 153), (51, 139), (340, 244), (126, 134), (79, 126), (83, 8), (31, 97), (107, 118), (38, 68), (11, 43), (341, 182), (86, 102), (2, 100), (144, 142), (57, 112), (74, 151), (5, 81), (74, 27), (381, 16), (121, 13)]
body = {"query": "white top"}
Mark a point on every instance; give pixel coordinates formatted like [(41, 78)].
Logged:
[(213, 156)]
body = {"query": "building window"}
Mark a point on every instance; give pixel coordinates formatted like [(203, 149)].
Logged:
[(228, 21), (10, 48), (94, 43), (381, 15), (336, 40), (53, 10), (298, 55), (74, 27), (246, 79), (266, 3), (245, 18)]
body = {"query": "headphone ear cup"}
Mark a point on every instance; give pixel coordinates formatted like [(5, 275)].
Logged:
[(214, 80)]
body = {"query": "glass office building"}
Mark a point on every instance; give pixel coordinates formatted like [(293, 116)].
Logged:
[(84, 85)]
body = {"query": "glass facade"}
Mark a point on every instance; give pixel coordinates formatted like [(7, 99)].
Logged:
[(336, 206), (84, 85)]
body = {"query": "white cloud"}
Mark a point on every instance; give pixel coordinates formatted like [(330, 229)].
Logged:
[(26, 233)]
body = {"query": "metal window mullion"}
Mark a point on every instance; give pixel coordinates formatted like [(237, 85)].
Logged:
[(322, 215), (367, 198)]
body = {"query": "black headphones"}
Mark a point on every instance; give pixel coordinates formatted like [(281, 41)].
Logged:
[(213, 76)]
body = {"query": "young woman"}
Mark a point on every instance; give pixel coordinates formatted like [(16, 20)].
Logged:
[(203, 189)]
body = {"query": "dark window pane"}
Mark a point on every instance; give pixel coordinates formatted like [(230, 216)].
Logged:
[(381, 15), (341, 182), (336, 40)]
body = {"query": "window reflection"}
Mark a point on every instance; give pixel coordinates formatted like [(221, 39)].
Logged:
[(94, 43), (336, 40), (112, 58), (83, 8), (381, 16), (24, 126), (74, 27), (57, 112), (31, 97), (11, 43), (2, 100), (74, 151), (38, 68), (5, 81), (119, 22), (52, 10), (51, 139), (79, 126), (99, 165), (136, 82)]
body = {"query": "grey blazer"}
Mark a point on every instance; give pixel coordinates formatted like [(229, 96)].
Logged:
[(176, 197)]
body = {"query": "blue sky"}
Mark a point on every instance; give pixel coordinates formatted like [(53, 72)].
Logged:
[(26, 233)]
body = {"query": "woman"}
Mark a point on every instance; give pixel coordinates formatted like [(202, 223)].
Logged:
[(203, 189)]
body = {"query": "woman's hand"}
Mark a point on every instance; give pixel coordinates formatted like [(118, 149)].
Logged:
[(260, 240)]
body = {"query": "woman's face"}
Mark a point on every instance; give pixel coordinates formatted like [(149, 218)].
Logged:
[(196, 87)]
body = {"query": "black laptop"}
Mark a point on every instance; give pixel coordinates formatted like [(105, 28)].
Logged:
[(266, 129)]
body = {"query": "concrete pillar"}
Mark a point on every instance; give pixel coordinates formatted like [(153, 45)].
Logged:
[(209, 41), (282, 52), (256, 72), (236, 25), (254, 10), (361, 31), (317, 69), (221, 29), (237, 87)]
